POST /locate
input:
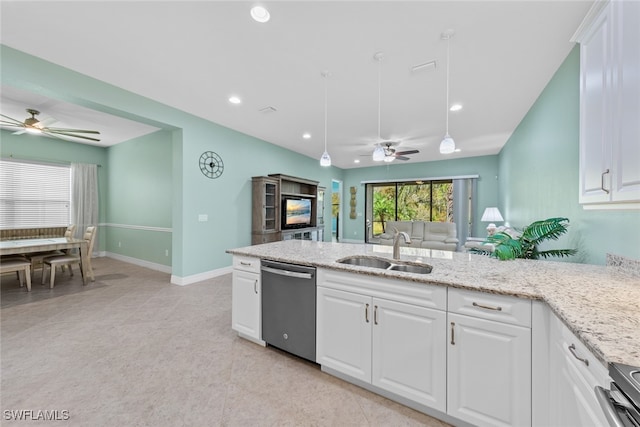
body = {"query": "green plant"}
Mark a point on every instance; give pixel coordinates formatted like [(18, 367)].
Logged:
[(524, 244)]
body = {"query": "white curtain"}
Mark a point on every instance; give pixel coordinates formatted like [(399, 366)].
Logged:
[(84, 197)]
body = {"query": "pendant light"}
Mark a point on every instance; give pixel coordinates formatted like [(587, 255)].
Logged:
[(447, 146), (325, 160), (378, 153)]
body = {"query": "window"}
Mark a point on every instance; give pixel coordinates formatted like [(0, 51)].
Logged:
[(408, 201), (34, 194)]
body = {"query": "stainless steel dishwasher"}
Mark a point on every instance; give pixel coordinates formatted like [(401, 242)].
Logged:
[(289, 308)]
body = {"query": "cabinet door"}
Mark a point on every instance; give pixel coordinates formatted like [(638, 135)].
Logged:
[(245, 304), (626, 148), (595, 112), (489, 372), (572, 402), (409, 352), (343, 332)]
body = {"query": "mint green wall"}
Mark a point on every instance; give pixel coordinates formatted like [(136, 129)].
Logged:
[(34, 147), (486, 167), (197, 247), (140, 196), (538, 174)]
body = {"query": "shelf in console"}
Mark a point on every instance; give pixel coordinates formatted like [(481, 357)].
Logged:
[(305, 195)]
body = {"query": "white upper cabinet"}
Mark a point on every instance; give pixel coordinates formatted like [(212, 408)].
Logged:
[(610, 107)]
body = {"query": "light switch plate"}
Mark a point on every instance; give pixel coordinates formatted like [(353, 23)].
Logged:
[(203, 217)]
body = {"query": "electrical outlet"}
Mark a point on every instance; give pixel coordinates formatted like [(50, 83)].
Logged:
[(119, 244), (166, 252)]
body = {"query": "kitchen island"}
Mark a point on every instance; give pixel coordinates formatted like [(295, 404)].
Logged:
[(476, 341), (601, 305)]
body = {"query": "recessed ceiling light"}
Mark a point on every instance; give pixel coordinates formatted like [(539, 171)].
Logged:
[(260, 14), (306, 135), (455, 107), (235, 99), (356, 161)]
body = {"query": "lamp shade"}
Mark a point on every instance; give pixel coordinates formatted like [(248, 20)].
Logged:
[(491, 215), (447, 146)]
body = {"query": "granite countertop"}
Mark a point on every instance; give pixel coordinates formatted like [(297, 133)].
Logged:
[(601, 305)]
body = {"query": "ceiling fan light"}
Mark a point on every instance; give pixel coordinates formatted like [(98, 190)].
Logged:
[(33, 129), (378, 154), (447, 146), (389, 159), (325, 160)]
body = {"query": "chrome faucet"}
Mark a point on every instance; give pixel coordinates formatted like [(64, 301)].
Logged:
[(396, 242)]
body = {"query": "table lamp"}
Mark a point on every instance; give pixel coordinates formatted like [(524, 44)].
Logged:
[(491, 215)]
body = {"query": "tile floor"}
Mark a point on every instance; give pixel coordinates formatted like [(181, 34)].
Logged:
[(130, 349)]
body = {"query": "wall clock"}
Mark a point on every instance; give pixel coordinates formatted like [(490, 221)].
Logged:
[(211, 164)]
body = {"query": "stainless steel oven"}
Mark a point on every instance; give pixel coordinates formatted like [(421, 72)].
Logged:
[(621, 403)]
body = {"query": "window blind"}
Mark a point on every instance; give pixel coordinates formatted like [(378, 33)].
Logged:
[(34, 194)]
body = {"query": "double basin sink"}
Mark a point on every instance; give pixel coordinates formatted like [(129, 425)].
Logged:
[(386, 264)]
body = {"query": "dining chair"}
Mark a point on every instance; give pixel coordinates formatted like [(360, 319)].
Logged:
[(21, 266), (69, 259), (37, 257)]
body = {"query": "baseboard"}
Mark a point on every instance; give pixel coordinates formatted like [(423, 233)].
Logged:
[(136, 261), (188, 280)]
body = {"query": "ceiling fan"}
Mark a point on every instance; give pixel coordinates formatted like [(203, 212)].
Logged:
[(390, 153), (33, 125)]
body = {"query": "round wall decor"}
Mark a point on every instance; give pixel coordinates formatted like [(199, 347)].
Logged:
[(211, 164)]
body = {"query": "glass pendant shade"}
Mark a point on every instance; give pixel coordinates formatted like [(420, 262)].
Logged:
[(325, 160), (447, 146), (378, 154)]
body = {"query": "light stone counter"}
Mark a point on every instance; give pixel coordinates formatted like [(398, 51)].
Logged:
[(601, 305)]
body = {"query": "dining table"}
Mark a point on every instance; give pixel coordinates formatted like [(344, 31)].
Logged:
[(25, 246)]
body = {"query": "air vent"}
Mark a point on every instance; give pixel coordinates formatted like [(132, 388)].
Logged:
[(268, 109), (427, 66)]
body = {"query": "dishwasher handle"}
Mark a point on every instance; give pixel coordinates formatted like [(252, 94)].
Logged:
[(287, 273)]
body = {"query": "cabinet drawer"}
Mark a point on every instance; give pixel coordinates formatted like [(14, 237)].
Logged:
[(501, 308), (249, 264)]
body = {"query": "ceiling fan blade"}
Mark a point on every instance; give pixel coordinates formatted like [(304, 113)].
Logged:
[(20, 132), (48, 129), (11, 121), (404, 153), (56, 134), (402, 157)]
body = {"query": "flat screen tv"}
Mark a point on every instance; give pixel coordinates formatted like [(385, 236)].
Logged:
[(296, 213)]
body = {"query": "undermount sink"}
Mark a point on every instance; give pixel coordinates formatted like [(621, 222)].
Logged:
[(366, 262), (384, 264), (412, 268)]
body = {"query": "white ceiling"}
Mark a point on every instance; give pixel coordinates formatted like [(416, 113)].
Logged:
[(193, 55)]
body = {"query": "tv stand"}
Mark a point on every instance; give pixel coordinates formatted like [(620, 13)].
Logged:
[(268, 192)]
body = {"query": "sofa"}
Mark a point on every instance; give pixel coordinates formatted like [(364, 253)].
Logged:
[(424, 234)]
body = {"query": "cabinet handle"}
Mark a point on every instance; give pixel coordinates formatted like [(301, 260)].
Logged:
[(375, 314), (602, 181), (255, 286), (366, 313), (453, 340), (572, 349), (487, 307), (245, 263)]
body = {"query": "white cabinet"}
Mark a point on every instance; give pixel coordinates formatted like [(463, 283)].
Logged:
[(610, 107), (394, 345), (573, 372), (489, 359), (246, 304)]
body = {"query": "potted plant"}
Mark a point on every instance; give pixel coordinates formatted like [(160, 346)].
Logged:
[(508, 244)]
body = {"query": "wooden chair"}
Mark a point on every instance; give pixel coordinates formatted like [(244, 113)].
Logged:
[(21, 266), (37, 257), (69, 259)]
